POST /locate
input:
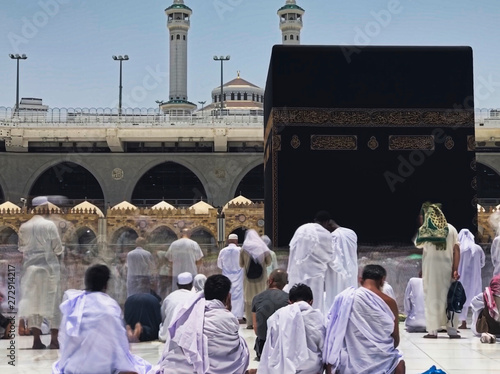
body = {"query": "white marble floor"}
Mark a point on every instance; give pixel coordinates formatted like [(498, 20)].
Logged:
[(454, 356)]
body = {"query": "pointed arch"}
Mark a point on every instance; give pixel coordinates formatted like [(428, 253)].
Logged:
[(68, 179), (169, 180)]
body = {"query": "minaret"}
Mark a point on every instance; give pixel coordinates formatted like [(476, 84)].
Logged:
[(178, 22), (290, 22)]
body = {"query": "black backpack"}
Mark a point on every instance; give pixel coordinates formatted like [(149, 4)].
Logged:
[(456, 299), (254, 269)]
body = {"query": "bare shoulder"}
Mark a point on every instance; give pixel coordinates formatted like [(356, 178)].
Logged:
[(391, 303), (387, 299)]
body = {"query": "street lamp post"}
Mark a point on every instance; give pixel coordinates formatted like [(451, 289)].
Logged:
[(160, 103), (17, 57), (221, 59), (202, 106), (121, 59)]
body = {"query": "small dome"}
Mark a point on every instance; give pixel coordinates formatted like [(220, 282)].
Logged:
[(237, 200), (163, 205), (8, 205), (124, 205), (87, 206), (201, 207)]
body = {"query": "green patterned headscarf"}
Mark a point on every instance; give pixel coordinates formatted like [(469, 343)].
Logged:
[(435, 228)]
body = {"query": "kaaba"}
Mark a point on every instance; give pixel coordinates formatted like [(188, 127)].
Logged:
[(369, 134)]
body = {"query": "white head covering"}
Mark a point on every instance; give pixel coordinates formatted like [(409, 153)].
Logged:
[(233, 236), (466, 239), (184, 278), (266, 239), (255, 246), (199, 282)]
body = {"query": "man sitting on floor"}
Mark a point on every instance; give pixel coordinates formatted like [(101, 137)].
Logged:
[(142, 317), (92, 337), (204, 335), (265, 304), (295, 337), (173, 302), (414, 305), (362, 329), (486, 312)]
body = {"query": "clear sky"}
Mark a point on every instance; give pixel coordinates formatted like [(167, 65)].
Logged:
[(69, 43)]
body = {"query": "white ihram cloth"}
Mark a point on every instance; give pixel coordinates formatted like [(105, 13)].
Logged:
[(477, 305), (436, 275), (311, 250), (294, 341), (92, 337), (472, 260), (229, 262), (204, 339), (141, 271), (255, 246), (495, 255), (183, 254), (171, 304), (41, 293), (414, 305), (359, 334), (342, 271)]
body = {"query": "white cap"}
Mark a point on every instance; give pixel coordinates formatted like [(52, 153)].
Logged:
[(233, 236), (184, 278), (39, 200)]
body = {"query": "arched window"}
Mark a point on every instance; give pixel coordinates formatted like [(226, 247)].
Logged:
[(257, 98), (171, 37), (291, 37), (284, 37), (232, 95), (239, 96), (297, 37), (215, 98), (245, 96), (253, 97), (184, 37), (178, 37)]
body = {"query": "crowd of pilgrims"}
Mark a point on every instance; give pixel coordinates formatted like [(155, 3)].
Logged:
[(320, 313)]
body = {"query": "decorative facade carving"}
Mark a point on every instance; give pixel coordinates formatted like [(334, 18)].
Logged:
[(372, 143), (449, 143), (276, 142), (471, 143), (295, 142), (334, 142), (363, 117), (117, 174), (411, 142)]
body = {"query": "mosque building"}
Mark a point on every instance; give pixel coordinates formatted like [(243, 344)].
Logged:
[(181, 156), (144, 173)]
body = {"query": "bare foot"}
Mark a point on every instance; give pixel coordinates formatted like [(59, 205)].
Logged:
[(38, 346), (132, 335), (463, 326), (138, 331)]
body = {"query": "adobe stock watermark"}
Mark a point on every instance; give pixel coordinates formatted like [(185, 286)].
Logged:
[(483, 89), (224, 6), (363, 36), (139, 93), (31, 26)]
